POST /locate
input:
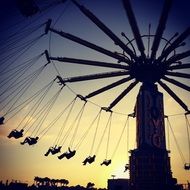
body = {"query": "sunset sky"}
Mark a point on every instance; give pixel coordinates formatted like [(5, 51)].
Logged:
[(24, 162)]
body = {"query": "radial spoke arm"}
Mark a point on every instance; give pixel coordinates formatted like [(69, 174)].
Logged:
[(105, 29), (177, 57), (89, 62), (173, 95), (175, 82), (90, 45), (124, 93), (180, 66), (134, 26), (108, 87), (94, 76), (161, 27), (175, 44), (177, 74)]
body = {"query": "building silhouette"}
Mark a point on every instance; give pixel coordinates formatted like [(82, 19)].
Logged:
[(149, 162)]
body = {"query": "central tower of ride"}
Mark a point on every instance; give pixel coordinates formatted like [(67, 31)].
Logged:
[(149, 162)]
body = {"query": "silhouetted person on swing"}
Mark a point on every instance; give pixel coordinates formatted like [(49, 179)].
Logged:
[(61, 81), (53, 150), (30, 140), (69, 154), (187, 166), (89, 160), (16, 134), (1, 120), (106, 162), (126, 167)]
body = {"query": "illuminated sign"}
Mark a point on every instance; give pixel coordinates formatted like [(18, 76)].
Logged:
[(150, 118)]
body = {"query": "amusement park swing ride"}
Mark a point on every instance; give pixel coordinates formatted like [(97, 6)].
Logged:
[(158, 65)]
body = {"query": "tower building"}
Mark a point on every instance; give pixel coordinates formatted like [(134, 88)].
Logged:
[(149, 162)]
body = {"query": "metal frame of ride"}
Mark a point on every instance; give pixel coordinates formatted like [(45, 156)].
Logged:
[(149, 68)]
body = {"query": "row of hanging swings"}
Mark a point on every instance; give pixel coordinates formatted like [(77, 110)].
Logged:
[(14, 78), (56, 148), (43, 113), (10, 95), (17, 45), (73, 127), (26, 84), (186, 164), (40, 115), (17, 81)]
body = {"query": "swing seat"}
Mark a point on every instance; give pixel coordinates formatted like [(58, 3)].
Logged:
[(27, 7), (106, 162), (69, 154), (56, 150), (30, 140), (187, 166), (16, 134), (89, 160), (33, 141), (1, 120)]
